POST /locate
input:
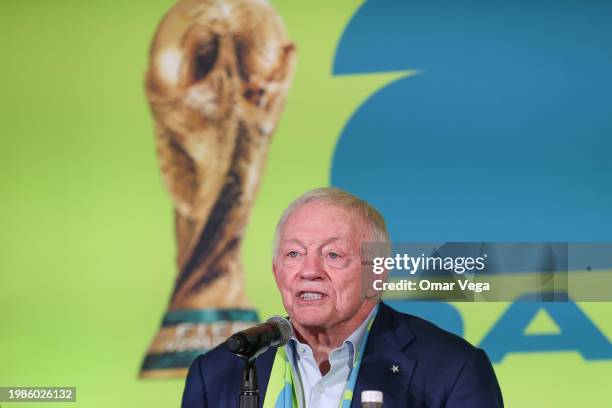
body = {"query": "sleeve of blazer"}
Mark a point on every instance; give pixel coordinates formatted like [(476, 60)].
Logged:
[(194, 395), (476, 386)]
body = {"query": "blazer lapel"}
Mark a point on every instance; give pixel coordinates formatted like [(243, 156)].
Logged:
[(385, 366)]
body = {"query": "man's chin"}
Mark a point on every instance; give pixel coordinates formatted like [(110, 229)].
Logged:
[(310, 318)]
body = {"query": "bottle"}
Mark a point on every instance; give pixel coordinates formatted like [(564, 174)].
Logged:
[(371, 399)]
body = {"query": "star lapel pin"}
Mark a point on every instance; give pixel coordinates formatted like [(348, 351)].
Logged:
[(395, 369)]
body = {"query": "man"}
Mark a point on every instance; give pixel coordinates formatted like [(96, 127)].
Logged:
[(344, 340)]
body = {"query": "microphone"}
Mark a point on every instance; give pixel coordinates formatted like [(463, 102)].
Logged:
[(252, 342)]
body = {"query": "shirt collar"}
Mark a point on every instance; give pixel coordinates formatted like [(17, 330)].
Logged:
[(354, 339)]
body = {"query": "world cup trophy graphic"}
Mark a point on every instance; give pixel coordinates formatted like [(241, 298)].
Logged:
[(218, 76)]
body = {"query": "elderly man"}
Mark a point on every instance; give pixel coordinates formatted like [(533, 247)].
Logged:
[(344, 340)]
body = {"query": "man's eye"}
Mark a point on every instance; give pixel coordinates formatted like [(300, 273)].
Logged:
[(333, 255), (292, 254)]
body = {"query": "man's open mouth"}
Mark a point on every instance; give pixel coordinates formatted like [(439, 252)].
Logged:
[(304, 295)]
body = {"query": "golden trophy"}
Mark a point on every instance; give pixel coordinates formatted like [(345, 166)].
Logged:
[(218, 76)]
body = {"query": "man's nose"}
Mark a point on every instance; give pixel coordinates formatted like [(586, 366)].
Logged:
[(313, 268)]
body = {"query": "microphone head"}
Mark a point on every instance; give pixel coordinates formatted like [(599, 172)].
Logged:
[(283, 326)]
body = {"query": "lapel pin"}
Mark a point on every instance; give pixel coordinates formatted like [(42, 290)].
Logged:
[(395, 369)]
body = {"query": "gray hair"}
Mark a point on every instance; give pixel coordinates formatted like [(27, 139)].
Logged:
[(336, 196)]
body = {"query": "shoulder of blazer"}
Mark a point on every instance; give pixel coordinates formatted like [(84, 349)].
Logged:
[(407, 329), (430, 361)]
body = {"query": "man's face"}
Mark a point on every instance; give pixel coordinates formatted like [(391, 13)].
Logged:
[(318, 265)]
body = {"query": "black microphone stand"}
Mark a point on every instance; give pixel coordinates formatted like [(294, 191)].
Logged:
[(250, 343), (249, 391)]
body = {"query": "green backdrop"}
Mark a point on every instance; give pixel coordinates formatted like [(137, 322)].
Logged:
[(87, 248)]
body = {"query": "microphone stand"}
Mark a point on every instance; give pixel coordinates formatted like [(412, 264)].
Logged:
[(249, 391), (249, 344)]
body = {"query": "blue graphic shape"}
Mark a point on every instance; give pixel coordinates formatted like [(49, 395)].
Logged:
[(578, 333), (504, 135)]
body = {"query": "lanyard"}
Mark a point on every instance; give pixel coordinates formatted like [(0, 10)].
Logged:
[(347, 394)]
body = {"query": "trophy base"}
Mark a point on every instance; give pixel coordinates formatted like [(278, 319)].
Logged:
[(185, 334)]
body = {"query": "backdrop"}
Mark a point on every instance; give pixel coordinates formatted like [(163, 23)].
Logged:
[(460, 120)]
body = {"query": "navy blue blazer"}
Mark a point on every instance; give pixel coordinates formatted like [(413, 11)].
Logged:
[(436, 369)]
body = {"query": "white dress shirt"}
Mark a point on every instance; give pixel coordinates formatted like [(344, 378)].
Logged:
[(314, 390)]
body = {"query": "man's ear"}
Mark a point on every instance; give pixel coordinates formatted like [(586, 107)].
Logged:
[(368, 278), (275, 271)]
